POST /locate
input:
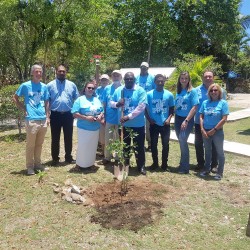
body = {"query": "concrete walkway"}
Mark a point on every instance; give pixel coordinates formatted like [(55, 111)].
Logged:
[(238, 115), (230, 147)]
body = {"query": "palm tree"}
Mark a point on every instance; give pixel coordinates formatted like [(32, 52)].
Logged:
[(245, 21)]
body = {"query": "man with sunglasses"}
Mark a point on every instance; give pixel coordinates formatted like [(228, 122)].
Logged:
[(63, 93), (207, 80), (146, 81), (133, 99)]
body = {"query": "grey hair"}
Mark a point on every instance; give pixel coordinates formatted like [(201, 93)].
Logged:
[(35, 66)]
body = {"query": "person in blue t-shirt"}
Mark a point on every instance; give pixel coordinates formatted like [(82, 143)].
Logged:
[(186, 102), (213, 115), (63, 93), (110, 114), (36, 108), (89, 113), (146, 81), (160, 109), (104, 81), (133, 99), (207, 80)]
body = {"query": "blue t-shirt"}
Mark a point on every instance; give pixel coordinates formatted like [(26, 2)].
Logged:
[(62, 95), (89, 107), (185, 101), (213, 112), (202, 96), (35, 95), (111, 114), (159, 104), (146, 82), (99, 92), (133, 97)]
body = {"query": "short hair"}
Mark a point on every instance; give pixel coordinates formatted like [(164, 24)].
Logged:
[(158, 76), (207, 70), (219, 90), (34, 67), (85, 86), (61, 65), (189, 85), (131, 73)]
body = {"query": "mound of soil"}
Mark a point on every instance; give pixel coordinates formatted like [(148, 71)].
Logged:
[(140, 206)]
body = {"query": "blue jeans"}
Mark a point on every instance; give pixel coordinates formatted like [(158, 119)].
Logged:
[(182, 136), (164, 131), (139, 149), (218, 140)]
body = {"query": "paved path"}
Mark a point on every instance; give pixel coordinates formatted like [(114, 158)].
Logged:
[(230, 147), (237, 115)]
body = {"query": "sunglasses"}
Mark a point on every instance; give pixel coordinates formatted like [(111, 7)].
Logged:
[(213, 90), (90, 88)]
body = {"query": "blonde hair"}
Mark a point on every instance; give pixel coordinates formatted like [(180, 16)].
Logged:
[(219, 90)]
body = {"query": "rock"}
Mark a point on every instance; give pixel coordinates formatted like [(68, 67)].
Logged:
[(57, 190), (75, 189), (68, 182), (67, 197), (77, 197)]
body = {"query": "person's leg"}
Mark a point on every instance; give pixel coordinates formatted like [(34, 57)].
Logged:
[(109, 132), (165, 135), (177, 127), (139, 148), (148, 138), (208, 153), (154, 134), (184, 134), (31, 130), (214, 162), (55, 127), (42, 129), (199, 148), (67, 124), (218, 139)]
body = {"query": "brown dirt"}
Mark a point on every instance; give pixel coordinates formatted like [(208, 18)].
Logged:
[(141, 206)]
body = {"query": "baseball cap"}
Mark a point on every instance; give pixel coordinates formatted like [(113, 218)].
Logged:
[(145, 64), (104, 76), (117, 72)]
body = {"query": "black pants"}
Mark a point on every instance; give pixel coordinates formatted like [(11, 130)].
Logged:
[(198, 142), (60, 120), (164, 131), (139, 149)]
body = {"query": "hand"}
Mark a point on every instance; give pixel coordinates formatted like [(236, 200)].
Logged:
[(204, 133), (211, 132), (124, 119), (99, 117), (167, 122), (48, 121), (184, 125), (120, 103), (90, 118)]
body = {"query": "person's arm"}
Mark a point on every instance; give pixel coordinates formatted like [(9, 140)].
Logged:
[(171, 113), (151, 121), (47, 111), (189, 117), (218, 126), (203, 131), (20, 105), (84, 117)]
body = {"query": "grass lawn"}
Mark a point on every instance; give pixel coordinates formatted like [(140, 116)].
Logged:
[(198, 213)]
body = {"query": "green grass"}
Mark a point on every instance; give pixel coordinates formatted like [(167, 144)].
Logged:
[(207, 214)]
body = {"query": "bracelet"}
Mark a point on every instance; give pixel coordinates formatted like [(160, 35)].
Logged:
[(215, 129), (186, 121)]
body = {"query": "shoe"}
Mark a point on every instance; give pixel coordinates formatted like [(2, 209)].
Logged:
[(149, 149), (214, 170), (55, 162), (217, 177), (30, 171), (183, 172), (165, 168), (105, 161), (142, 170), (204, 174), (199, 167), (70, 161), (154, 166)]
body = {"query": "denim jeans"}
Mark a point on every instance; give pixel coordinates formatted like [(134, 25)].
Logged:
[(164, 131), (218, 139), (182, 136), (138, 141), (199, 148)]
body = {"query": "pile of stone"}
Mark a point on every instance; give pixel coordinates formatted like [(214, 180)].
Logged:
[(70, 192)]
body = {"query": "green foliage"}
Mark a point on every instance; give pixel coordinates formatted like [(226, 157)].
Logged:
[(195, 65), (8, 109)]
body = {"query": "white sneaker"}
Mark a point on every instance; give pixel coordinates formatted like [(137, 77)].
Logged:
[(217, 177), (204, 174), (30, 171)]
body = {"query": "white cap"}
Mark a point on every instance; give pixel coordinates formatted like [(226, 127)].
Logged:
[(117, 72), (104, 76), (145, 64)]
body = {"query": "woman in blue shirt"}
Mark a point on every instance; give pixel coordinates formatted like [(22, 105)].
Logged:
[(89, 113), (186, 102), (213, 115)]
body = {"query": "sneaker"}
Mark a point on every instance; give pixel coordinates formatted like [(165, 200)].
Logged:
[(214, 170), (204, 174), (199, 167), (183, 172), (30, 171), (165, 168), (70, 161), (154, 166), (217, 177)]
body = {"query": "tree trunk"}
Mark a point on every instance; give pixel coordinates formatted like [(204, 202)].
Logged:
[(248, 227)]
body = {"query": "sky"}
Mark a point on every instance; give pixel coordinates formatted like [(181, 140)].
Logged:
[(245, 10)]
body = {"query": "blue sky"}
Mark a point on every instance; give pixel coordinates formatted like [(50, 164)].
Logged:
[(245, 7)]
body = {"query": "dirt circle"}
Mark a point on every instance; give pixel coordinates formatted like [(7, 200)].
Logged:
[(142, 205)]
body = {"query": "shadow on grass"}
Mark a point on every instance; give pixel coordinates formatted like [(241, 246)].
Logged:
[(21, 172), (7, 127), (78, 170), (14, 137), (243, 132)]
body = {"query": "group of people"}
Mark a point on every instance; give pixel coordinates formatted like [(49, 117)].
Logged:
[(141, 105)]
